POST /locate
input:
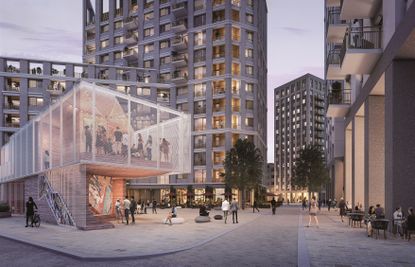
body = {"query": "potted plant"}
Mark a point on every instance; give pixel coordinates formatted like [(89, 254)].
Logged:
[(5, 210)]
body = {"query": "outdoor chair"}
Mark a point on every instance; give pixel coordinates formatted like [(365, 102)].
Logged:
[(380, 224)]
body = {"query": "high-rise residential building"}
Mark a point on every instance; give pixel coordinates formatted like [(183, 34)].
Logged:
[(212, 53), (299, 121), (369, 70)]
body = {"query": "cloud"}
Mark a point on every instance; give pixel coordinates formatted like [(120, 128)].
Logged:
[(295, 30), (14, 27)]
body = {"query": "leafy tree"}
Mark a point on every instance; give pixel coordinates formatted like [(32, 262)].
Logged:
[(243, 167), (309, 170)]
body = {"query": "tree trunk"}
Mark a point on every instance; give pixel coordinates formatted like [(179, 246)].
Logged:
[(243, 198)]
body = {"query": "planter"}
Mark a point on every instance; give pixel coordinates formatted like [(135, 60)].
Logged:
[(5, 214)]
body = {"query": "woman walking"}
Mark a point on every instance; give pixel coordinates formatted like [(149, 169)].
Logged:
[(313, 211)]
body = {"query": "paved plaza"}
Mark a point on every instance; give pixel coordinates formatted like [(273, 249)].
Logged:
[(259, 239)]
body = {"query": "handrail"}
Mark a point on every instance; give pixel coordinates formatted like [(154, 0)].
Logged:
[(340, 97)]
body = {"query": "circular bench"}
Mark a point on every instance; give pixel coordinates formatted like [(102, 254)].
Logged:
[(218, 217), (202, 219), (176, 220)]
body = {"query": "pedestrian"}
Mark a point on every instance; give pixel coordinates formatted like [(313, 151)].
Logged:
[(133, 209), (397, 221), (118, 140), (329, 205), (88, 139), (46, 159), (273, 205), (118, 212), (127, 205), (225, 209), (319, 204), (313, 211), (154, 208), (30, 211), (168, 218), (255, 206), (303, 204), (342, 207), (174, 211), (234, 208), (380, 212)]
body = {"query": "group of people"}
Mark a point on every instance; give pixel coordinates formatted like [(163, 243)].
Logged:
[(130, 208), (233, 207)]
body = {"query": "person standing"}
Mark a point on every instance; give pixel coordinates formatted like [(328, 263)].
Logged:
[(273, 205), (225, 209), (118, 212), (46, 159), (149, 146), (30, 211), (154, 207), (313, 211), (255, 206), (234, 208), (329, 204), (88, 139), (127, 205), (133, 209), (118, 140), (342, 207)]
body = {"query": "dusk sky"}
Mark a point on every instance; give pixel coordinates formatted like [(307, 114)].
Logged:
[(52, 29)]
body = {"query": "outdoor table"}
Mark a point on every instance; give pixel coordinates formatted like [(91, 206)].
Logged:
[(356, 217), (380, 224)]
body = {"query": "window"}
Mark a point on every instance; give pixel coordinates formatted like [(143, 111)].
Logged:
[(249, 104), (199, 107), (149, 63), (143, 91), (148, 32), (199, 55), (218, 15), (200, 38), (199, 20), (148, 4), (165, 60), (117, 55), (35, 83), (149, 16), (105, 58), (148, 48), (236, 70), (218, 51), (200, 158), (249, 88), (35, 101), (118, 40), (200, 141), (235, 15), (165, 27), (250, 3), (199, 4), (104, 43), (250, 18), (200, 176), (249, 52), (164, 44), (199, 89), (250, 36), (199, 72), (165, 77), (182, 91), (218, 69), (236, 34), (200, 124), (105, 28), (164, 11), (183, 107), (236, 2), (218, 2), (250, 70), (218, 34), (235, 51), (118, 24), (249, 122)]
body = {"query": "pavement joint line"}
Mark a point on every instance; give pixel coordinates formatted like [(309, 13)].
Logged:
[(117, 258), (303, 254)]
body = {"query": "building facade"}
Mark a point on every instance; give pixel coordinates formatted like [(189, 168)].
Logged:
[(370, 60), (212, 53), (299, 121)]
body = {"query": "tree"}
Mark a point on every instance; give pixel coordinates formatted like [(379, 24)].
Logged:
[(309, 169), (243, 167)]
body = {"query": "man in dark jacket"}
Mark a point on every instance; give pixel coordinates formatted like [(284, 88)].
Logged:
[(273, 205), (133, 208), (30, 211)]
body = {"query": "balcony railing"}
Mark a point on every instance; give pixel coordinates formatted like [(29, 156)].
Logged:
[(12, 124), (105, 16), (118, 12), (12, 68), (333, 16), (11, 106), (342, 97), (361, 38), (13, 88)]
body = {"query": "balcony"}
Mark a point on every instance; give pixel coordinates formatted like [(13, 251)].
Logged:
[(11, 105), (362, 48), (179, 26), (10, 88), (105, 16), (179, 42), (90, 26), (179, 9), (12, 124), (130, 55), (339, 103), (131, 23), (336, 28), (333, 70), (131, 38), (179, 77), (358, 9), (179, 60), (219, 92)]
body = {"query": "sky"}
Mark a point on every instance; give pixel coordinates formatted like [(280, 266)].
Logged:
[(52, 30)]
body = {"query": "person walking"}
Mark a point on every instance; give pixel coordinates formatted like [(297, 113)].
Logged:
[(127, 205), (255, 206), (234, 208), (329, 204), (154, 207), (30, 211), (118, 212), (313, 211), (133, 209), (273, 205), (342, 207), (225, 209)]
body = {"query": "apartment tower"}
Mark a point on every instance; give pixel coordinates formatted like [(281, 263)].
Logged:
[(213, 55), (369, 71), (299, 121)]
